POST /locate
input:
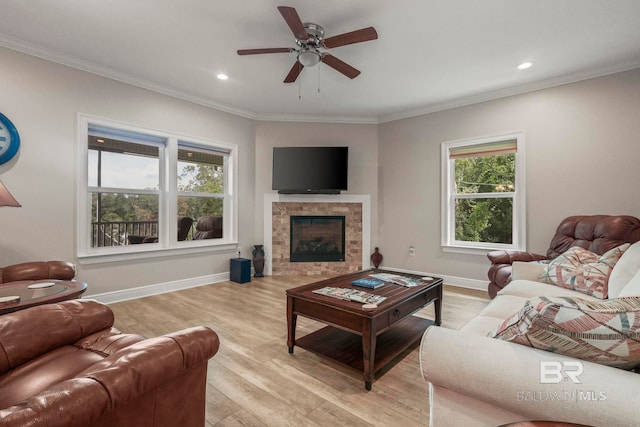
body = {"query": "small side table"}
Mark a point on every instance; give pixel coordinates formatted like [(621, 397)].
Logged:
[(240, 270), (37, 292)]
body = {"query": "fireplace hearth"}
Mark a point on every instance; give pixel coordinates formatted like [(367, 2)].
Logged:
[(317, 238)]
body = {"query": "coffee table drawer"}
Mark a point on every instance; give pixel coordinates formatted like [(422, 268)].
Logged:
[(409, 306)]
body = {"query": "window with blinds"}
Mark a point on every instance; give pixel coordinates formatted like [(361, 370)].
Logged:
[(483, 194)]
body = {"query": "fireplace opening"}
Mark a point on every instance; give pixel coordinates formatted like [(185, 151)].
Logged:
[(317, 238)]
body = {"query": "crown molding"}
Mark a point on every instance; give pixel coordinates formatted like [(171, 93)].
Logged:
[(316, 119), (110, 73), (511, 91)]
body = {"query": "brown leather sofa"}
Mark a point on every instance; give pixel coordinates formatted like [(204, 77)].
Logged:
[(597, 233), (64, 365), (38, 270)]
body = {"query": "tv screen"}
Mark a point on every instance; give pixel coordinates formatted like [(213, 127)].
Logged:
[(303, 170)]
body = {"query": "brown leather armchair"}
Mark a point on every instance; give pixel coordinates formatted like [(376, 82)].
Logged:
[(597, 233), (65, 365), (38, 270)]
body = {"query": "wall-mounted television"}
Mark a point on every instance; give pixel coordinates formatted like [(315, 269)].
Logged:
[(310, 170)]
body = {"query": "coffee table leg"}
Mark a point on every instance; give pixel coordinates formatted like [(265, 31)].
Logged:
[(438, 307), (368, 354), (291, 325)]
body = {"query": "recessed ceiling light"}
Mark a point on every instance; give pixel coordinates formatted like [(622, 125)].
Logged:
[(524, 65), (222, 76)]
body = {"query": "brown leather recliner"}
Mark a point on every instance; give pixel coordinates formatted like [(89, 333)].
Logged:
[(184, 226), (38, 270), (208, 227), (64, 365), (597, 233)]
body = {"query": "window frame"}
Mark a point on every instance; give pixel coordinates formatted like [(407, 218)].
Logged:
[(449, 197), (167, 201)]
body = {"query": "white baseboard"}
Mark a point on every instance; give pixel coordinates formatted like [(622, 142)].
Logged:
[(461, 282), (159, 288)]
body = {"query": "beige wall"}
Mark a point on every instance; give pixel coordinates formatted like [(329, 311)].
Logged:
[(43, 100), (582, 153), (362, 140), (582, 149)]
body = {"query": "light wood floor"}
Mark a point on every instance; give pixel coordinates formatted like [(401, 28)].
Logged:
[(254, 381)]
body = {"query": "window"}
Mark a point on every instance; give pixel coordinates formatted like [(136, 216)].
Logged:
[(143, 191), (201, 182), (483, 195)]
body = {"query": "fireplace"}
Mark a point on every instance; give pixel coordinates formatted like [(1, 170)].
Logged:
[(278, 210), (317, 238)]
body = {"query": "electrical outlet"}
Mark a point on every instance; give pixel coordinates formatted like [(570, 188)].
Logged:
[(412, 250)]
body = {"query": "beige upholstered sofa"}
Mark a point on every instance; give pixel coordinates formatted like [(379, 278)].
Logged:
[(475, 380)]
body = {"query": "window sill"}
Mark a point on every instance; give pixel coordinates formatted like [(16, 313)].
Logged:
[(108, 256), (474, 250)]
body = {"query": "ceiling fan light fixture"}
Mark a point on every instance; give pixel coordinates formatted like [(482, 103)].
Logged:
[(309, 57)]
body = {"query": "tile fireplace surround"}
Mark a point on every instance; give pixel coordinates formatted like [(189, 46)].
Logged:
[(279, 207)]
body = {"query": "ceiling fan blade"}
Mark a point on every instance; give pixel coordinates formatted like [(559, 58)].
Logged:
[(357, 36), (267, 50), (340, 66), (293, 20), (294, 72)]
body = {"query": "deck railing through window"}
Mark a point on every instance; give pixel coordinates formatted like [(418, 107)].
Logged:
[(117, 233)]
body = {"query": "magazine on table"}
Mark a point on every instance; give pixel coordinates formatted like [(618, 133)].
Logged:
[(397, 279), (351, 295)]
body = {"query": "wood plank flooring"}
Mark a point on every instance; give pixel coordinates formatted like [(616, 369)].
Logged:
[(254, 381)]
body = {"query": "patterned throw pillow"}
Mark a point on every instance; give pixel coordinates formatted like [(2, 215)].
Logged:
[(583, 270), (606, 332)]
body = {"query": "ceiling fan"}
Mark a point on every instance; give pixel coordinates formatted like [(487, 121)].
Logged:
[(311, 42)]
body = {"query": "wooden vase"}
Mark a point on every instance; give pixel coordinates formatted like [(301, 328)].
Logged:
[(258, 260), (376, 258)]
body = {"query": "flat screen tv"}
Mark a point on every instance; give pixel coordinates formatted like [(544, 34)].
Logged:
[(310, 170)]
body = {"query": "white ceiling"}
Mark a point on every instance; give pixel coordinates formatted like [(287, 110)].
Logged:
[(430, 54)]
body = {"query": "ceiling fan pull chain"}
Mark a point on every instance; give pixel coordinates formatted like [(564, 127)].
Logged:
[(299, 90), (318, 79)]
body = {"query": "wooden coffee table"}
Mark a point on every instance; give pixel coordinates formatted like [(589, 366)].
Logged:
[(367, 340), (37, 292)]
